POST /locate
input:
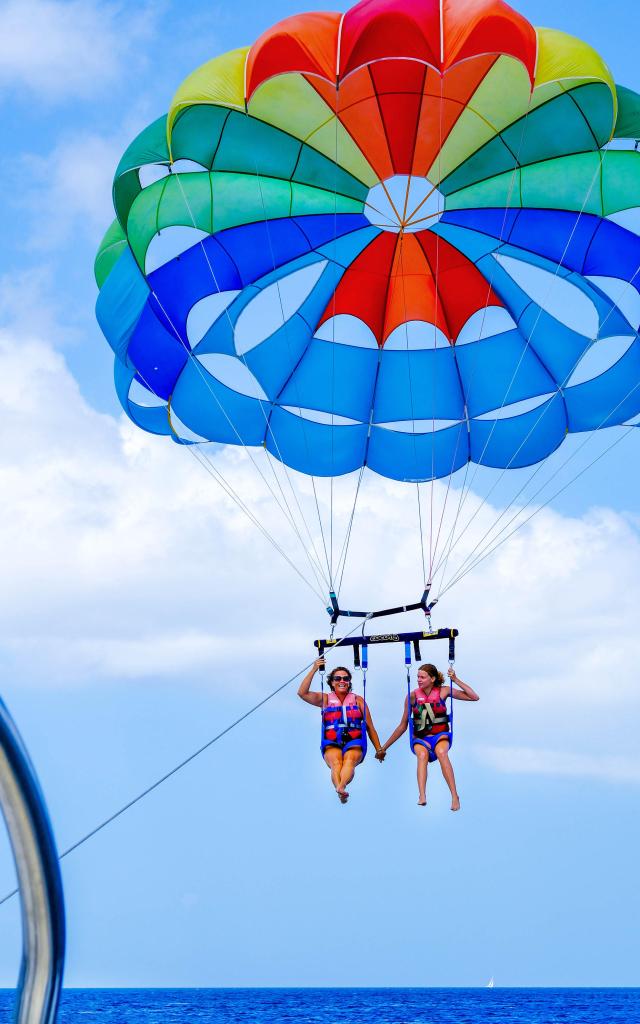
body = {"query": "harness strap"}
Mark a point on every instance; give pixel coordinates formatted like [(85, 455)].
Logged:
[(452, 661)]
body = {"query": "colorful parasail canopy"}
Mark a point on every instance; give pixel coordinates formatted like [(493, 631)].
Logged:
[(405, 237)]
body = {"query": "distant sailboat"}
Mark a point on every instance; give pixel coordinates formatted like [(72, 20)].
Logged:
[(491, 982)]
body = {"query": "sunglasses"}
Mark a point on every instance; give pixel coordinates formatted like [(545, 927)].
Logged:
[(341, 679)]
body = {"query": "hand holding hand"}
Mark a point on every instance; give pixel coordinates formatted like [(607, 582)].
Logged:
[(381, 754)]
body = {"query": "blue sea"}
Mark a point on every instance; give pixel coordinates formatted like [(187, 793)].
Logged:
[(345, 1006)]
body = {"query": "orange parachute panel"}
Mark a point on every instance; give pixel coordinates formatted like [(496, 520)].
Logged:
[(306, 43)]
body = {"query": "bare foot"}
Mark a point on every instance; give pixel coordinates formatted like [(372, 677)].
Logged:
[(455, 803)]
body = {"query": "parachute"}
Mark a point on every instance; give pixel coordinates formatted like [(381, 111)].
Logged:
[(405, 238)]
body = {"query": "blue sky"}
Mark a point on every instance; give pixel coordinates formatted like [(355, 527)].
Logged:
[(140, 614)]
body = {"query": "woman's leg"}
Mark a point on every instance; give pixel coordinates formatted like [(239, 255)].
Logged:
[(349, 761), (442, 753), (333, 757), (422, 759)]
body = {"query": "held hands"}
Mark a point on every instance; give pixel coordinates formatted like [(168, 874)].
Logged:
[(381, 754)]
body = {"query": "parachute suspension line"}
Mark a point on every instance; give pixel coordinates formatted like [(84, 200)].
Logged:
[(481, 556), (364, 666), (185, 345), (426, 581), (322, 671), (224, 413), (407, 664), (215, 473), (443, 561), (498, 539), (587, 439), (243, 357), (545, 408), (463, 495), (433, 546), (345, 544), (207, 463), (333, 338), (435, 335), (538, 468), (173, 771), (291, 377), (312, 554), (417, 470)]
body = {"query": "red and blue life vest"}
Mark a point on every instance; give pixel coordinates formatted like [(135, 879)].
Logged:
[(342, 722)]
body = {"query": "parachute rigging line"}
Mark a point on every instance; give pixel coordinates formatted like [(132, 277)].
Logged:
[(208, 466), (538, 468), (265, 416), (224, 412), (545, 408), (345, 545), (473, 376), (267, 420), (614, 443), (207, 463)]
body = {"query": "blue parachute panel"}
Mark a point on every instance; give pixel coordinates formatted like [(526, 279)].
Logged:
[(122, 298), (316, 448), (417, 457), (215, 412), (157, 355), (153, 419), (609, 399), (519, 440), (418, 385), (325, 376), (500, 370)]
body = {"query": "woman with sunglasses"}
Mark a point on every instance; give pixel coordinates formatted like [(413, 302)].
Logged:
[(346, 720)]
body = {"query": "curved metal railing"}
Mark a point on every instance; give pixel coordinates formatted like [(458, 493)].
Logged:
[(39, 881)]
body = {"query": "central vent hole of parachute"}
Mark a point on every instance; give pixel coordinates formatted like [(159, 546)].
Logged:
[(404, 202)]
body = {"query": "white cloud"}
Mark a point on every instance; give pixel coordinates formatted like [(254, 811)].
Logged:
[(540, 761), (31, 303), (121, 557), (67, 50), (69, 190)]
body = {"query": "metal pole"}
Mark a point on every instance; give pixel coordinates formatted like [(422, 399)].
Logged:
[(38, 870)]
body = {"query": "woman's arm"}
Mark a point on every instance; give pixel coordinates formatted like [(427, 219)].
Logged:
[(304, 691), (464, 693), (371, 730), (397, 732)]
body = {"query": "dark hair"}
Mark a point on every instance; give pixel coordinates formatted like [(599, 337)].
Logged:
[(432, 671), (338, 668)]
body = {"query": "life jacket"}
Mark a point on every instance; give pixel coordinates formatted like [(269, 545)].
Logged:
[(342, 723), (429, 712)]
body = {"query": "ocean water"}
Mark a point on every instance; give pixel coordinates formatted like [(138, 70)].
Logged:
[(345, 1006)]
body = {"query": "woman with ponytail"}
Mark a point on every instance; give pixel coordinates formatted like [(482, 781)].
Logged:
[(430, 727)]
